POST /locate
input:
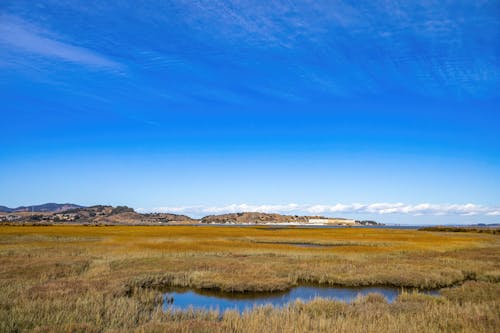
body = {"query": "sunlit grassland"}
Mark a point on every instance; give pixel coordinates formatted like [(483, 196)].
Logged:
[(108, 278)]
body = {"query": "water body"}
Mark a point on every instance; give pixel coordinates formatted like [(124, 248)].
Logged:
[(302, 244), (183, 299)]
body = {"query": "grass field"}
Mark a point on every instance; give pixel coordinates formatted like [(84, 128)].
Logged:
[(77, 278)]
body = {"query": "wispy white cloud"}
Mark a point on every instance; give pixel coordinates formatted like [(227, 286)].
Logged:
[(19, 35), (331, 47), (425, 48), (339, 208)]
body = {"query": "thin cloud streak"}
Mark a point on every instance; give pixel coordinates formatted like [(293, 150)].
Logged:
[(339, 208), (20, 35)]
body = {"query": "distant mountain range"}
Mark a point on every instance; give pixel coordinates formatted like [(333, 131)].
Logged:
[(123, 215), (95, 215), (44, 208)]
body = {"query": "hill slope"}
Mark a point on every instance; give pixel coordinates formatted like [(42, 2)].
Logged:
[(44, 208), (253, 217)]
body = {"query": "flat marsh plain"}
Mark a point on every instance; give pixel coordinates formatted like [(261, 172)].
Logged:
[(110, 279)]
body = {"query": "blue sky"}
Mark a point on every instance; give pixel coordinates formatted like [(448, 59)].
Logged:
[(369, 109)]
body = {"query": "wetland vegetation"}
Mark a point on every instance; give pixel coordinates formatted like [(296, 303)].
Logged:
[(112, 279)]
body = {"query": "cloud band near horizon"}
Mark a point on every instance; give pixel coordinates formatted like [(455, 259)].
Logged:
[(355, 208)]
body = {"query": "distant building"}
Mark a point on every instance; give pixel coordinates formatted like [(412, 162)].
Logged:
[(66, 217), (9, 218), (333, 221)]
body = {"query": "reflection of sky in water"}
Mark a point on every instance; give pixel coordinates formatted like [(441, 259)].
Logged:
[(225, 301)]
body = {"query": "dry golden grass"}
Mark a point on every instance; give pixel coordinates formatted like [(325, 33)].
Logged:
[(77, 278)]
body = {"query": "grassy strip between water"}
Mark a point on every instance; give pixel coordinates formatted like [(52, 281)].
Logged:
[(77, 278), (487, 230)]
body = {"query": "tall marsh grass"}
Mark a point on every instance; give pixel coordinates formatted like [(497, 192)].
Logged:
[(96, 279)]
